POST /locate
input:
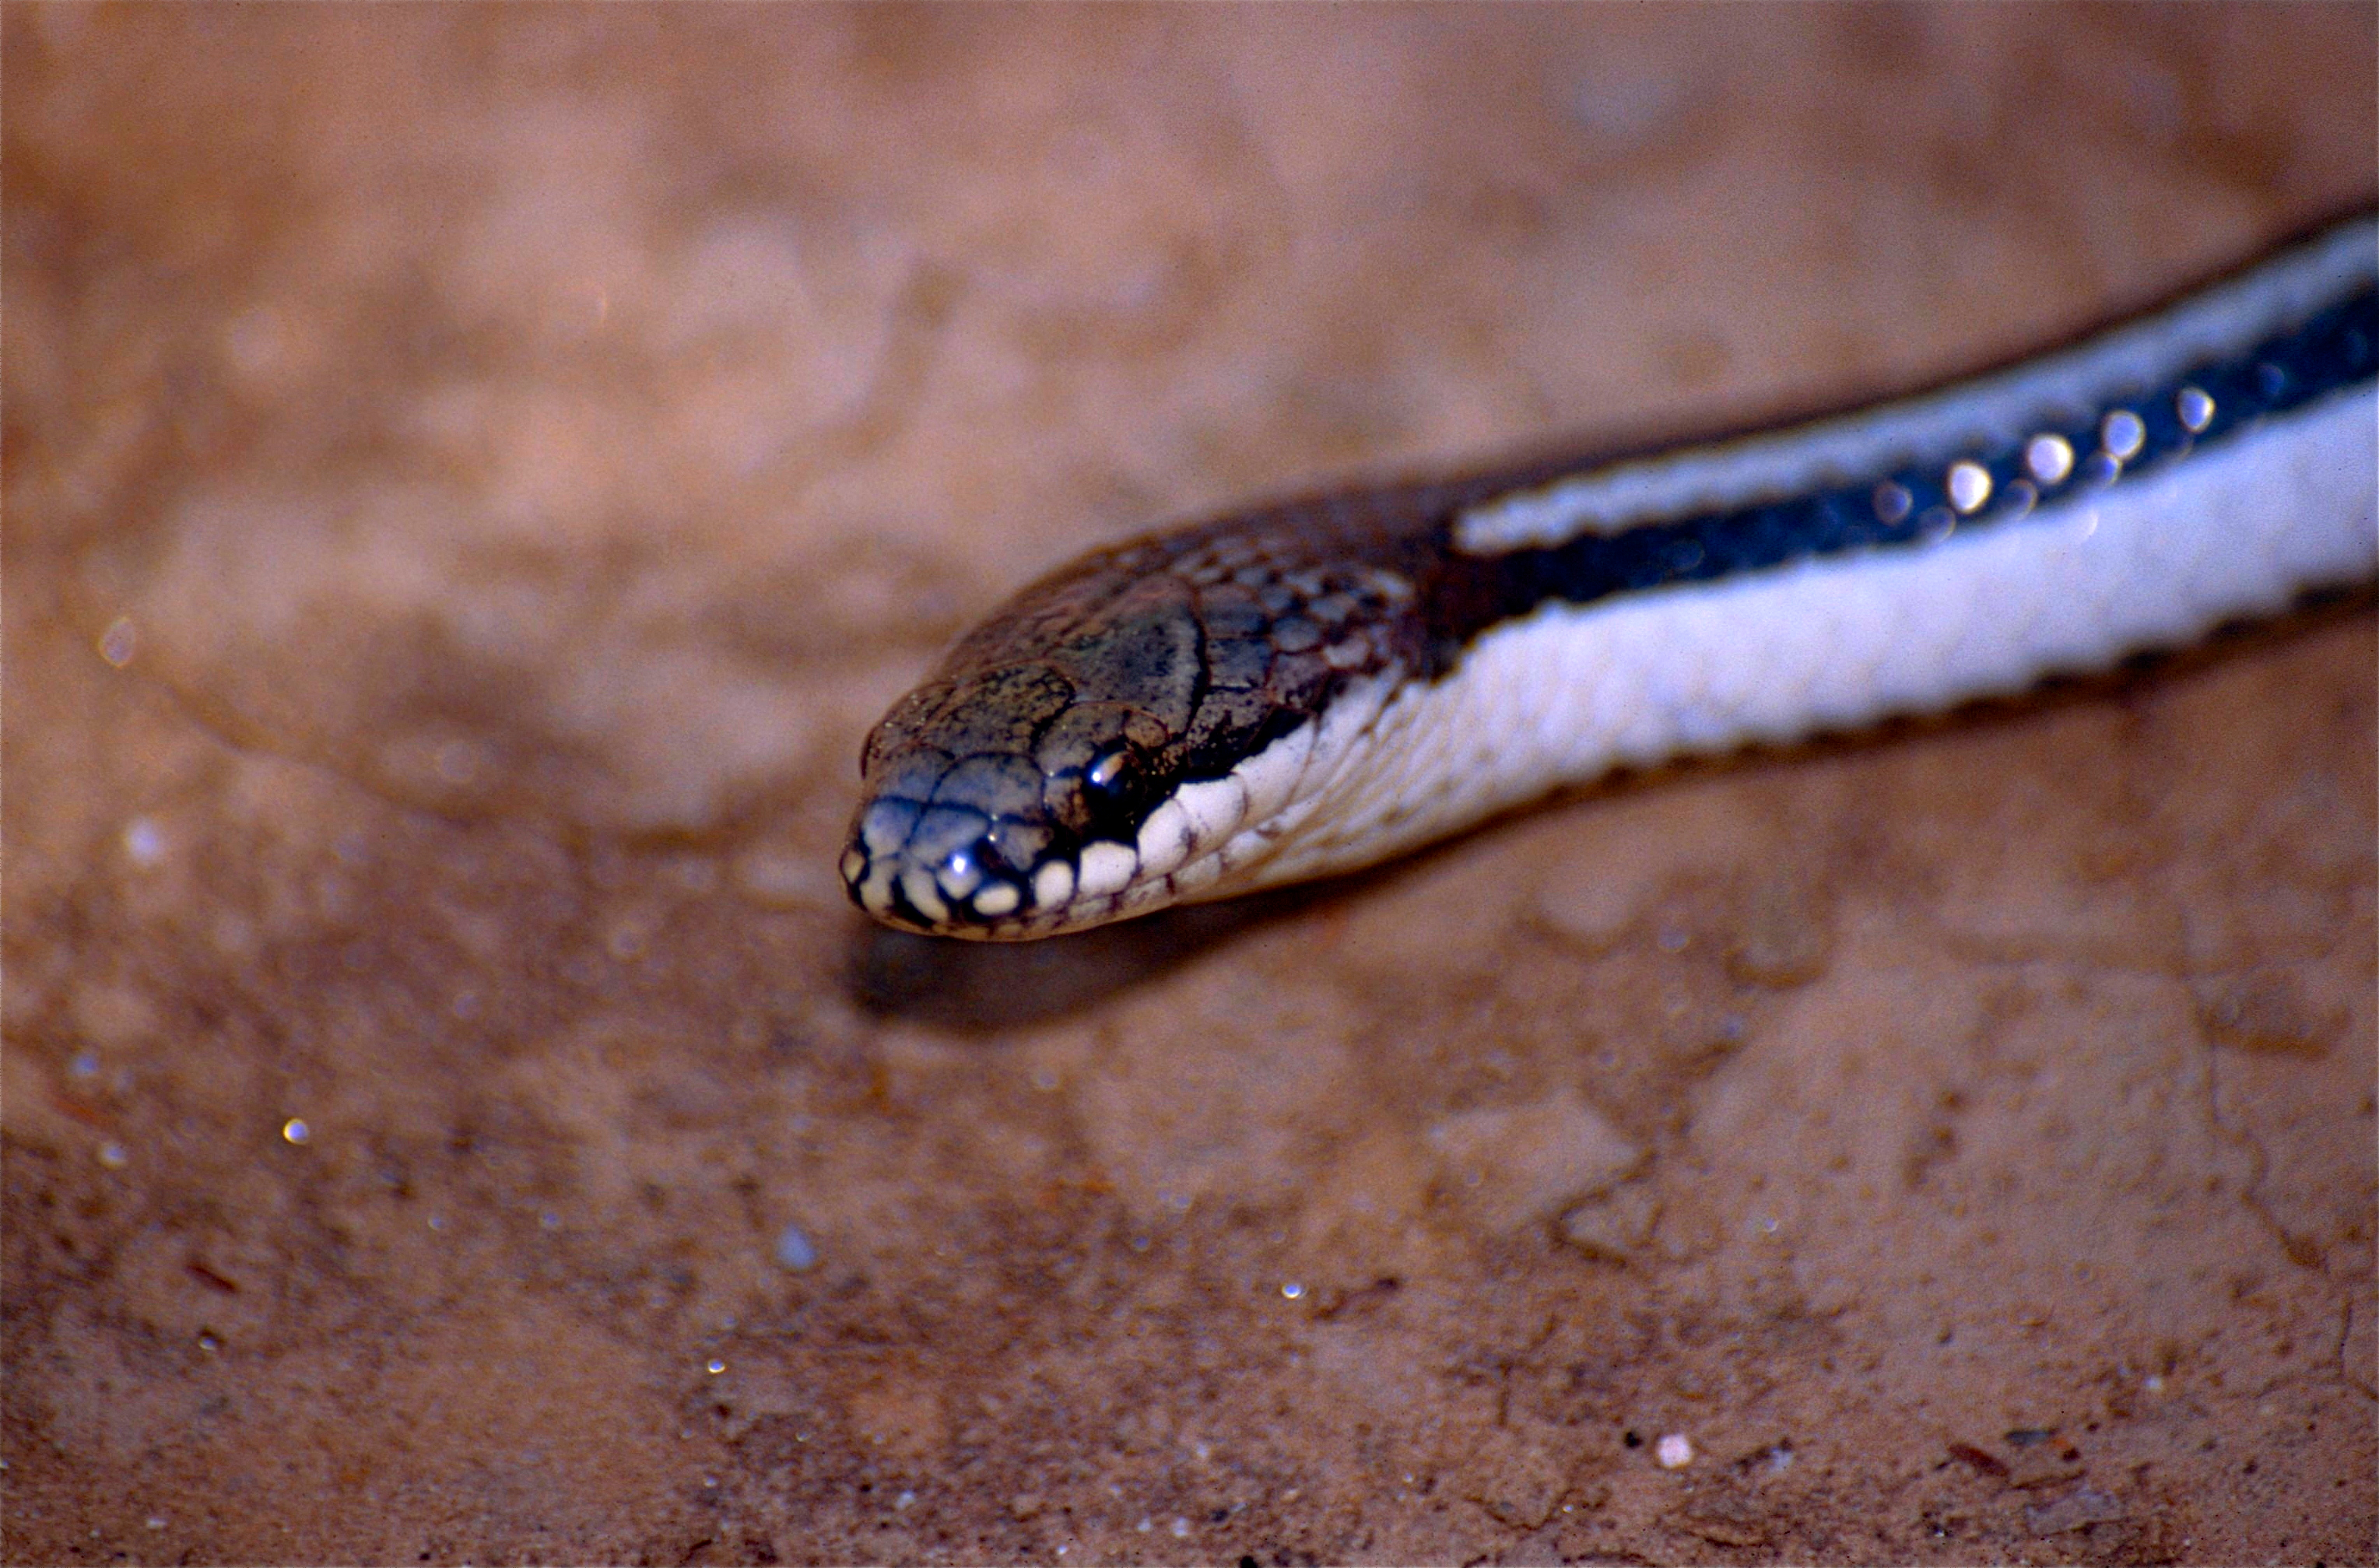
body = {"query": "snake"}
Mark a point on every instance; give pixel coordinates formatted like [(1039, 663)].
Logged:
[(1308, 686)]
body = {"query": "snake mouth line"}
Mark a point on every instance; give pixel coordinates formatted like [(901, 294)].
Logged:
[(911, 865), (953, 897), (1002, 909)]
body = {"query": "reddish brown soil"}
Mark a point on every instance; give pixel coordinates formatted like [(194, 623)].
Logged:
[(473, 475)]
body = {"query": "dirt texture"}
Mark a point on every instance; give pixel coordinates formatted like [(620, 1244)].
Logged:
[(473, 475)]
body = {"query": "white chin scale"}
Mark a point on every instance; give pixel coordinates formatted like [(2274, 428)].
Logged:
[(954, 898), (1208, 839)]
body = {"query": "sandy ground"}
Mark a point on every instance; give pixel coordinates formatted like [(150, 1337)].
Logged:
[(473, 477)]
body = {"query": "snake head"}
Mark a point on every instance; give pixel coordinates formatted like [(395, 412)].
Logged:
[(1120, 736), (999, 800), (1009, 798)]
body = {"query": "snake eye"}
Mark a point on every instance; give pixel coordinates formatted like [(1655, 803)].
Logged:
[(1112, 787)]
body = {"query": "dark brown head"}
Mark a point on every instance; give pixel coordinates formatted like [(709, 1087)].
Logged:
[(1098, 745)]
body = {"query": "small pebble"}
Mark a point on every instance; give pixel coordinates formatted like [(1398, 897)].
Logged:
[(1782, 938), (1613, 1224), (144, 841), (1674, 1451), (119, 642), (2072, 1511), (795, 1249)]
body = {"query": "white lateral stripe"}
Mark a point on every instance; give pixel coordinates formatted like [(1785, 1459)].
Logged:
[(1565, 694)]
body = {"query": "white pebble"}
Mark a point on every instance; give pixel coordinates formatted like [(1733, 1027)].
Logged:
[(1674, 1451), (144, 842), (119, 642)]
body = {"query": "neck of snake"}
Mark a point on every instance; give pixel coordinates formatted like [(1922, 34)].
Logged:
[(2215, 460)]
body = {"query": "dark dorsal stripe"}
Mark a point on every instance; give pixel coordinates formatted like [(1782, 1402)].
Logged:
[(1910, 502)]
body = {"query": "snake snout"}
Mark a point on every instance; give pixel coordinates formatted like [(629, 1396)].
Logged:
[(932, 867)]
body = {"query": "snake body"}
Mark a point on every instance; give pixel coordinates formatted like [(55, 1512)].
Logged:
[(1311, 686)]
